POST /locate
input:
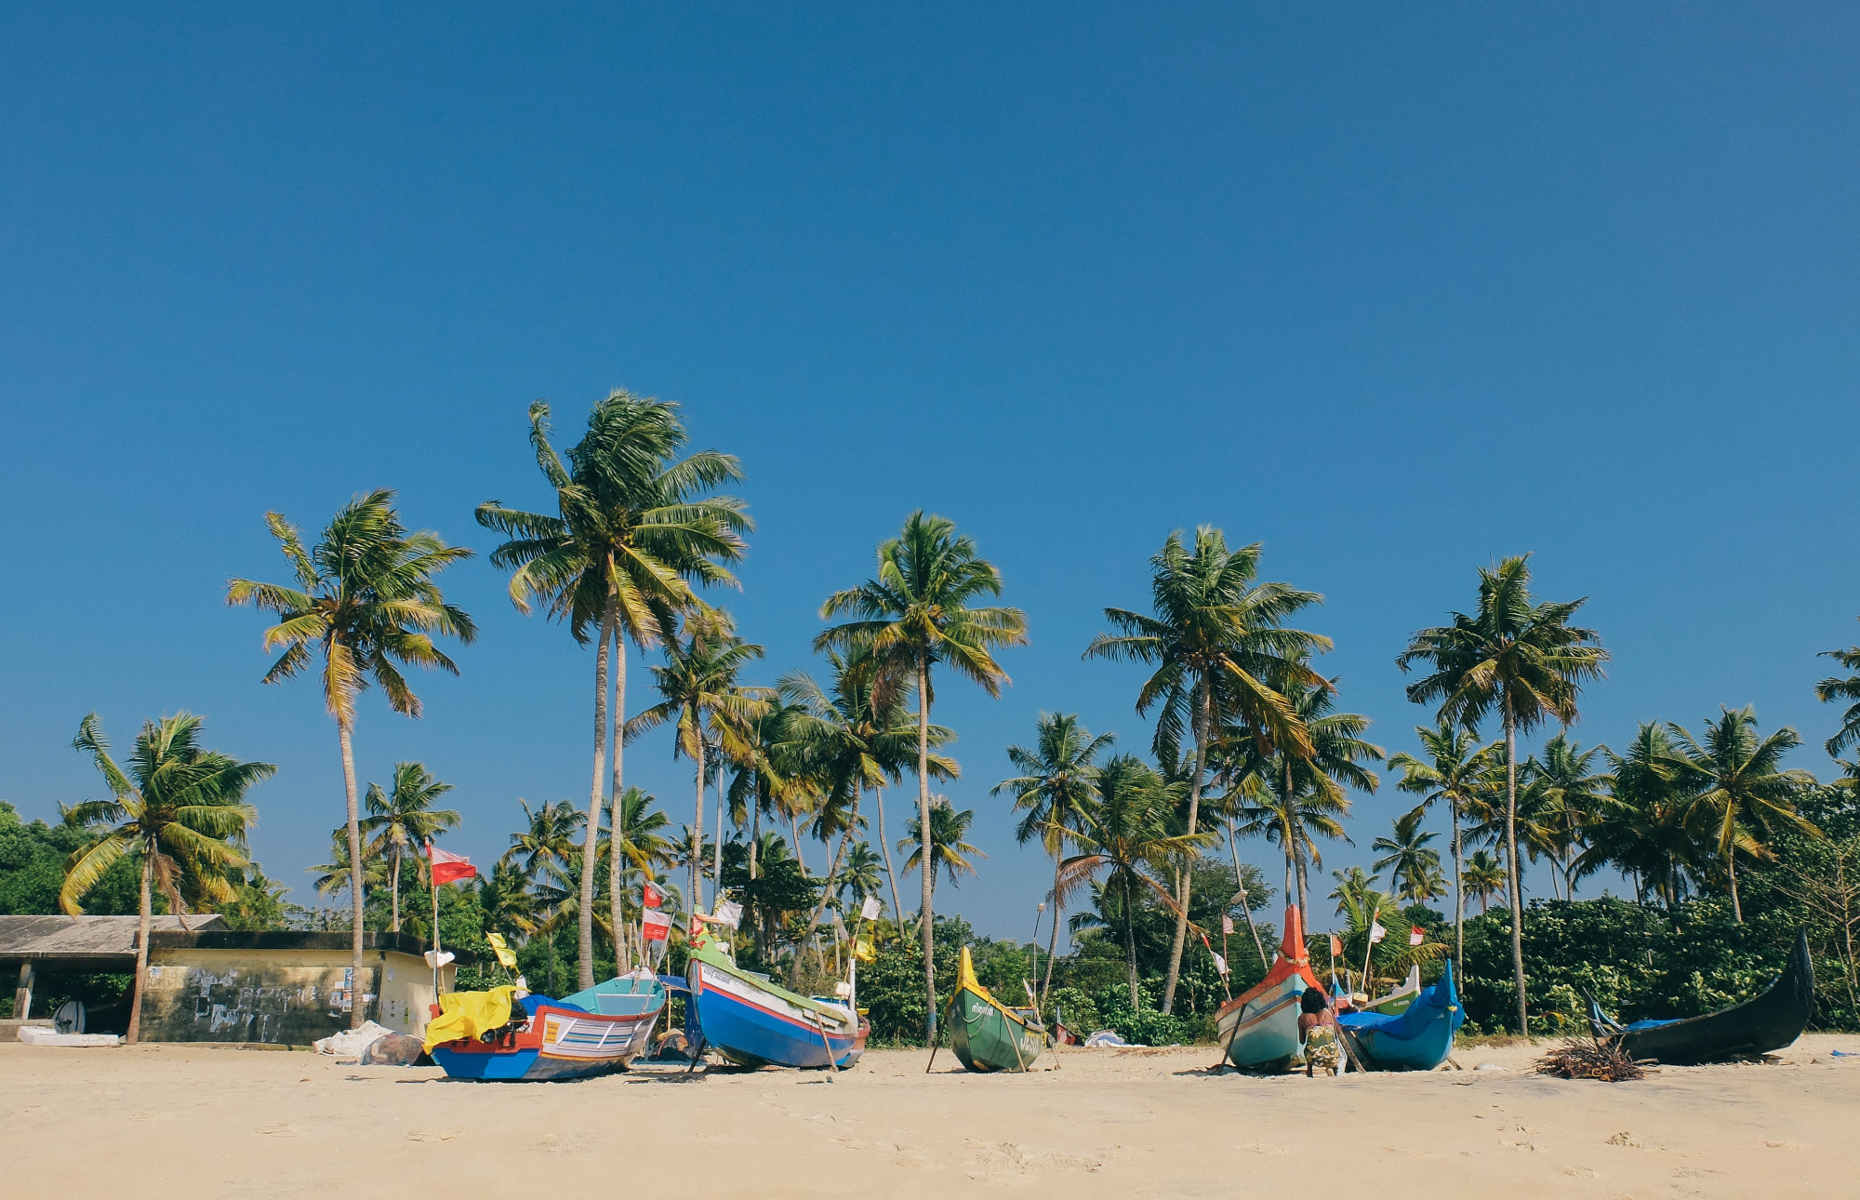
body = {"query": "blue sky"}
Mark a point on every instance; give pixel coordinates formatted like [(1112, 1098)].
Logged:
[(1394, 293)]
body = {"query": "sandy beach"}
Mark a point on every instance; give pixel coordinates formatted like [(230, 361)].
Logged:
[(186, 1121)]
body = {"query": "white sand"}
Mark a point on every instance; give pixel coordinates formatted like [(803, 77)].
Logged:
[(179, 1121)]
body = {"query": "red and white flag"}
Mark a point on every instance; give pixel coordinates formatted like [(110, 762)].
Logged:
[(1336, 946), (1376, 932), (657, 926), (1416, 935), (1220, 965), (449, 867), (651, 896)]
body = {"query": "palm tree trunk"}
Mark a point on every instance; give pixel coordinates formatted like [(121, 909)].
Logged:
[(1130, 940), (697, 841), (1184, 876), (833, 872), (590, 840), (1513, 884), (716, 862), (1052, 937), (143, 921), (357, 988), (794, 832), (929, 865), (1246, 903), (1730, 866), (616, 908), (884, 846), (755, 831), (1459, 892), (394, 884)]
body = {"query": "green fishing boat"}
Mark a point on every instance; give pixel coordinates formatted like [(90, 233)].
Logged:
[(986, 1034)]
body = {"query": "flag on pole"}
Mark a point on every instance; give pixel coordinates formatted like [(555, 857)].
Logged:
[(1336, 946), (1415, 935), (501, 948), (1220, 965), (869, 910), (650, 896), (865, 951), (449, 867), (657, 926), (1376, 932), (729, 913), (1227, 925)]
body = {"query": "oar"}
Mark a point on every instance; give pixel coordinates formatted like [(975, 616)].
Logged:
[(820, 1024), (941, 1029)]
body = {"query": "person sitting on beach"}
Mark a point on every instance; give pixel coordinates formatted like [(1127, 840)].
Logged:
[(1317, 1030)]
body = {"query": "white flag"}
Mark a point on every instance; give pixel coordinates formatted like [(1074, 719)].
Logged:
[(869, 910), (1376, 932), (729, 913), (1227, 925), (1220, 965)]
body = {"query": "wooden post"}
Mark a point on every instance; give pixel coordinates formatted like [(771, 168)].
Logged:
[(22, 998)]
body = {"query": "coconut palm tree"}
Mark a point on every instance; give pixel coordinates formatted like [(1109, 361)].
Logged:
[(1742, 788), (1458, 770), (179, 809), (1836, 687), (1648, 825), (1520, 657), (1128, 841), (633, 530), (1565, 794), (507, 900), (764, 782), (1484, 878), (644, 849), (1055, 790), (1413, 865), (1223, 655), (943, 842), (1293, 823), (548, 837), (918, 612), (404, 816), (862, 876), (365, 597)]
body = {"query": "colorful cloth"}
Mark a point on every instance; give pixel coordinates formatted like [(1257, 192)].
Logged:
[(1321, 1049), (468, 1014)]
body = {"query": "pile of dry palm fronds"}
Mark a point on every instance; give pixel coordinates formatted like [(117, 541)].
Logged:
[(1591, 1058)]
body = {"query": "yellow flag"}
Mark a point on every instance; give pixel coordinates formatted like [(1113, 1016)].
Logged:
[(503, 952), (864, 951)]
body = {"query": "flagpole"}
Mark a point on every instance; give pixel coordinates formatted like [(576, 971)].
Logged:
[(433, 881)]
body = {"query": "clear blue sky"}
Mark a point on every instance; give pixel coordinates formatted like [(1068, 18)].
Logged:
[(1394, 293)]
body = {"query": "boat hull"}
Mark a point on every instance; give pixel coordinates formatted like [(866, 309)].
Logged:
[(1759, 1025), (987, 1039), (1261, 1033), (1417, 1038), (554, 1043), (756, 1026)]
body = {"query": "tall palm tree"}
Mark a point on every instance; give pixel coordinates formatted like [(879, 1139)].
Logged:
[(1743, 788), (1484, 878), (1836, 687), (1128, 841), (633, 530), (700, 697), (365, 596), (1647, 826), (179, 808), (764, 782), (1223, 654), (548, 837), (1566, 793), (334, 877), (1293, 823), (942, 845), (643, 848), (1056, 790), (1413, 865), (1520, 657), (404, 816), (918, 612), (862, 874), (1458, 770)]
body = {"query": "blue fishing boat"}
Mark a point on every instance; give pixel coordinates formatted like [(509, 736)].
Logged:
[(1258, 1029), (1418, 1038), (499, 1035), (756, 1022)]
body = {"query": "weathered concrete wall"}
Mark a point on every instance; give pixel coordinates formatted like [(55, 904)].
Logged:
[(292, 997)]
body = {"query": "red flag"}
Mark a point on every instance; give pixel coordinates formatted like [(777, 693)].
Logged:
[(449, 867), (657, 926), (650, 896), (1336, 946), (1416, 935)]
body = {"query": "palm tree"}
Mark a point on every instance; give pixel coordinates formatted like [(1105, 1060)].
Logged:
[(1056, 790), (1222, 655), (1566, 793), (642, 844), (402, 817), (365, 595), (334, 877), (1128, 840), (179, 808), (1837, 688), (1743, 789), (507, 901), (549, 836), (943, 843), (1647, 827), (1458, 770), (1291, 822), (632, 531), (1484, 878), (862, 874), (765, 782), (1523, 658), (918, 611), (1413, 865), (706, 706)]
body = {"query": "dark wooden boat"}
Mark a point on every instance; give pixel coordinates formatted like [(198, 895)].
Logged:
[(1757, 1026)]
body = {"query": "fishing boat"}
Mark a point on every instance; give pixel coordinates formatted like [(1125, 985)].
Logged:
[(986, 1034), (1396, 1001), (499, 1035), (1417, 1037), (1759, 1025), (755, 1021), (1259, 1028)]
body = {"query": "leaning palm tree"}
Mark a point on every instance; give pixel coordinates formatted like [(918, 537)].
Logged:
[(918, 612), (1743, 788), (1484, 878), (1129, 841), (365, 597), (1413, 865), (548, 836), (1458, 770), (632, 532), (1837, 687), (179, 808), (404, 816), (1056, 790), (1522, 658), (942, 845)]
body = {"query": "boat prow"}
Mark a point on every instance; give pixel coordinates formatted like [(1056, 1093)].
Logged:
[(1768, 1021)]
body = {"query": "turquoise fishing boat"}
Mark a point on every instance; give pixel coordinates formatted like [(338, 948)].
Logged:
[(1258, 1029), (1418, 1038)]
